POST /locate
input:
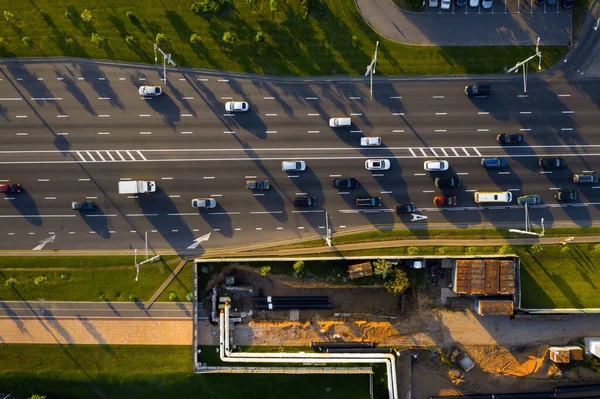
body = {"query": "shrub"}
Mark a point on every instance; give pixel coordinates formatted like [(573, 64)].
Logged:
[(131, 40), (102, 296), (69, 16), (228, 37), (265, 270), (173, 296), (9, 16), (161, 40), (273, 5), (36, 396), (565, 249), (442, 250), (131, 16), (536, 249), (299, 268), (190, 296), (382, 267), (398, 284), (11, 281), (97, 39), (412, 251), (86, 15), (27, 41), (596, 249), (40, 280), (471, 250), (206, 6), (260, 37), (505, 250), (195, 38), (133, 297)]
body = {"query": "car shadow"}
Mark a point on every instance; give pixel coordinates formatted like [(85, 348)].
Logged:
[(97, 221), (166, 107)]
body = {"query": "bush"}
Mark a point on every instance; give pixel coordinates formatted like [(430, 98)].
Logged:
[(505, 250), (190, 296), (398, 284), (86, 15), (382, 267), (36, 396), (173, 296), (265, 270), (206, 6), (565, 249), (442, 250), (299, 268), (45, 15), (131, 40), (40, 280), (69, 16), (27, 41), (536, 249), (471, 250), (102, 296), (195, 38), (412, 251), (9, 16), (260, 37), (273, 5), (11, 281), (161, 40), (228, 37), (131, 16), (133, 297), (97, 39), (596, 249)]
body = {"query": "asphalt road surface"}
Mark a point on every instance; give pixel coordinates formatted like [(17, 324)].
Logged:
[(71, 130)]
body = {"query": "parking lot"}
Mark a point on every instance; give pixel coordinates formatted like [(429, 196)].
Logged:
[(498, 6)]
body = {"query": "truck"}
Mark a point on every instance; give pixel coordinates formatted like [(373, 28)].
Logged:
[(136, 187)]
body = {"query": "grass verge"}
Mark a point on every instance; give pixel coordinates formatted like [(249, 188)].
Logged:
[(116, 371), (333, 39), (87, 278)]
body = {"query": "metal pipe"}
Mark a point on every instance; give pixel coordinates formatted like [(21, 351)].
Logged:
[(342, 344), (282, 306), (273, 299), (358, 350)]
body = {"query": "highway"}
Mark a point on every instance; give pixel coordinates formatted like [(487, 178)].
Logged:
[(71, 130)]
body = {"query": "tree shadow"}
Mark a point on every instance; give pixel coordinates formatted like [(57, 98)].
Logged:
[(101, 86), (27, 207), (73, 88), (98, 222)]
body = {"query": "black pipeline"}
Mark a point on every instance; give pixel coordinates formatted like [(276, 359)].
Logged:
[(282, 306), (291, 302), (279, 299)]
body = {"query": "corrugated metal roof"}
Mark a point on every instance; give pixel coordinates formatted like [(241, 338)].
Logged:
[(484, 277), (360, 270), (495, 307)]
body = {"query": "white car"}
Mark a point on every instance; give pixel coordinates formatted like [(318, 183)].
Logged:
[(204, 203), (474, 3), (150, 91), (433, 3), (236, 106), (436, 166), (293, 166), (340, 122), (487, 4), (377, 164), (370, 141), (445, 4)]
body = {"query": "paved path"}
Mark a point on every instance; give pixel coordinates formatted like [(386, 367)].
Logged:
[(457, 28)]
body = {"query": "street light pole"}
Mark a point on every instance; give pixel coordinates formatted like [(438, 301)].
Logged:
[(166, 58), (527, 230), (371, 68), (597, 23), (524, 65), (327, 231)]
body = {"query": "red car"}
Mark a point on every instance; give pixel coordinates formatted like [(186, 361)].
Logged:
[(10, 188), (440, 200)]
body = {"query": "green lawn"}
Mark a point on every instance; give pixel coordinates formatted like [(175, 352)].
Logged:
[(334, 39), (115, 371), (86, 278)]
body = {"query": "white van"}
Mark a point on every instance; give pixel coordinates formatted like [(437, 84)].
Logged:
[(500, 196), (340, 122)]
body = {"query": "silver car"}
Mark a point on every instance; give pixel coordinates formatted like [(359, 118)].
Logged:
[(293, 166), (204, 203)]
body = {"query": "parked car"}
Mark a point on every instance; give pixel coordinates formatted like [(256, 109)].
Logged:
[(293, 166), (147, 91), (204, 203), (493, 163), (474, 3), (586, 177), (477, 90), (445, 4), (340, 122), (83, 205), (487, 4), (236, 106), (436, 166), (566, 4), (370, 141), (305, 200), (377, 164), (345, 182), (258, 185), (440, 200), (10, 188), (529, 200), (552, 163), (461, 3), (445, 182), (433, 3), (406, 208), (509, 138), (551, 2), (568, 195), (369, 202)]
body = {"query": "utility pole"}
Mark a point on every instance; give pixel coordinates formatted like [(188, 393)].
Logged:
[(327, 230), (597, 23), (525, 63), (371, 68), (166, 58), (528, 226)]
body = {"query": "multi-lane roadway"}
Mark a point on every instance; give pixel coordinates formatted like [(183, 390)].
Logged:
[(71, 131)]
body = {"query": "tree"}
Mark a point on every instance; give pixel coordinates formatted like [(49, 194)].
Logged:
[(536, 249), (36, 396), (273, 5), (162, 40), (382, 268), (596, 249), (9, 16), (228, 37), (195, 38), (11, 281), (190, 296), (97, 39), (131, 16), (40, 280), (27, 41), (86, 15), (260, 37), (412, 251), (299, 268), (68, 16), (173, 296), (265, 270), (398, 283), (131, 40), (133, 297)]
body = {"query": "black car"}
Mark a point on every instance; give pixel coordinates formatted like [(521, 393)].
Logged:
[(477, 90), (552, 163), (585, 177), (445, 182), (566, 4), (570, 195), (259, 185), (509, 139), (305, 200), (345, 182), (493, 163), (83, 205), (369, 202), (403, 209)]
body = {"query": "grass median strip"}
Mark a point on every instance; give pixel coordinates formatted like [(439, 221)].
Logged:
[(244, 37)]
